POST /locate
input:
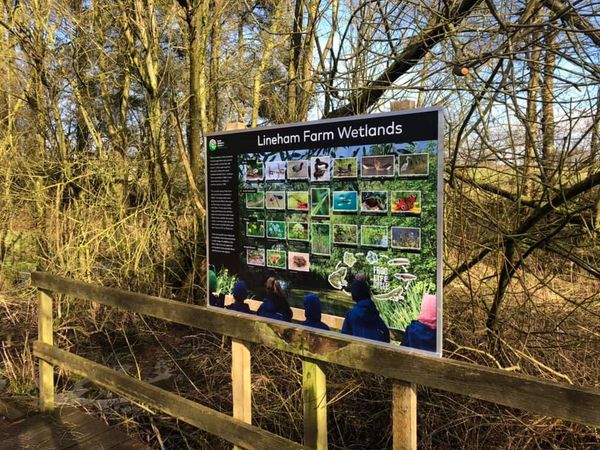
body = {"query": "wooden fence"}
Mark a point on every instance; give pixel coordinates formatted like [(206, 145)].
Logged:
[(407, 370)]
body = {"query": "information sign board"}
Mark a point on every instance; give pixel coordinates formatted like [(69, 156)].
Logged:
[(317, 203)]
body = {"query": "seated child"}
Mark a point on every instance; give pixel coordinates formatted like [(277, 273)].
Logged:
[(312, 312), (421, 333), (240, 294), (363, 320)]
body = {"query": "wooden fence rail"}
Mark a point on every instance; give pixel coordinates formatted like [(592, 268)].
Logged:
[(408, 369)]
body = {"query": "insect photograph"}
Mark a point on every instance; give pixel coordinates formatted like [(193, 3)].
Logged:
[(297, 200), (275, 171), (275, 199), (405, 202)]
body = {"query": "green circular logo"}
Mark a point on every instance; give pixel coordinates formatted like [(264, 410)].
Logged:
[(212, 145)]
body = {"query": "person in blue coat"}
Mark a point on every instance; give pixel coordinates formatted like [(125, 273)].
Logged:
[(421, 333), (275, 304), (363, 320), (240, 294), (312, 312)]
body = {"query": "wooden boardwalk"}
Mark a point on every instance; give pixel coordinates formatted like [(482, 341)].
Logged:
[(66, 428)]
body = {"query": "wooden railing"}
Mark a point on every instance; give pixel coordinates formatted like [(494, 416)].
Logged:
[(406, 369)]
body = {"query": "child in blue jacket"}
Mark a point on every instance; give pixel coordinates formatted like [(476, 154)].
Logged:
[(240, 294), (363, 320), (312, 312), (275, 304)]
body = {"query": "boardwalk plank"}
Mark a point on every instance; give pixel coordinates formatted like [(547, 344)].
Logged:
[(67, 428), (10, 411)]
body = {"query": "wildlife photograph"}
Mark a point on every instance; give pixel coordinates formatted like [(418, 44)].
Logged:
[(275, 200), (297, 200), (406, 238), (405, 202), (320, 199), (377, 166), (345, 168), (300, 262), (297, 170), (275, 170), (320, 168), (374, 201), (276, 259), (255, 200), (345, 201), (255, 257), (345, 234), (415, 165), (253, 171)]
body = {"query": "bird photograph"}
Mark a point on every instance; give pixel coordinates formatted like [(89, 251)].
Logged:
[(297, 170), (377, 166), (320, 168), (344, 168), (414, 165)]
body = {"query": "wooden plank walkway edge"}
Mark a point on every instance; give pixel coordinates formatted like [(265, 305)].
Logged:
[(207, 419), (574, 403)]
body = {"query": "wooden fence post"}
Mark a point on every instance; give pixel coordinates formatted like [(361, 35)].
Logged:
[(404, 415), (314, 399), (241, 381), (404, 395), (46, 370)]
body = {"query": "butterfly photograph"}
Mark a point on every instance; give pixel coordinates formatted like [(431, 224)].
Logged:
[(405, 202)]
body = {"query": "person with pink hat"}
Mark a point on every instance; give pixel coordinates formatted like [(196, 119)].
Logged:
[(421, 333)]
